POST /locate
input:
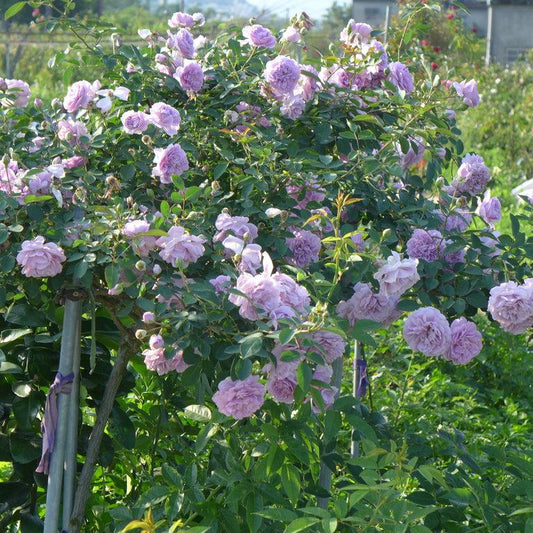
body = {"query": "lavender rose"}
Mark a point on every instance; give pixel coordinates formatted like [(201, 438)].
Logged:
[(473, 175), (165, 117), (190, 77), (239, 399), (135, 121), (155, 359), (400, 76), (397, 275), (182, 42), (258, 35), (330, 345), (305, 247), (39, 259), (79, 95), (490, 210), (468, 91), (466, 342), (180, 247), (427, 330), (511, 305), (169, 161), (424, 244), (181, 19), (282, 74), (18, 89)]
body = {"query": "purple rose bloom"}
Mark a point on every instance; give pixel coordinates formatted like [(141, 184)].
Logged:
[(468, 91), (291, 35), (239, 399), (76, 161), (261, 295), (148, 317), (511, 305), (458, 220), (73, 132), (291, 293), (258, 35), (282, 74), (221, 283), (182, 42), (237, 226), (141, 244), (427, 330), (413, 156), (330, 345), (307, 83), (39, 259), (425, 244), (134, 121), (169, 161), (165, 117), (466, 342), (190, 77), (473, 175), (155, 360), (400, 76), (397, 275), (323, 373), (282, 379), (293, 106), (79, 95), (364, 303), (355, 33), (18, 89), (305, 247), (181, 19), (180, 247), (490, 210)]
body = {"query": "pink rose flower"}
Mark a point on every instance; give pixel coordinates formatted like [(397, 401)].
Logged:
[(165, 117), (79, 95), (190, 77), (135, 121), (155, 360), (239, 399), (258, 35), (397, 275), (180, 247), (466, 342), (169, 161), (427, 330), (181, 19), (39, 259), (19, 90)]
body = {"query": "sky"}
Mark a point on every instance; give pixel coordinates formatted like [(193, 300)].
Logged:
[(314, 8)]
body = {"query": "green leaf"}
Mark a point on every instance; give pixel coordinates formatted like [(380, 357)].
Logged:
[(304, 375), (251, 345), (121, 428), (301, 524), (24, 447), (26, 409), (286, 336), (280, 515), (290, 480), (10, 335), (112, 275), (10, 368), (219, 170), (14, 9), (200, 413), (153, 496)]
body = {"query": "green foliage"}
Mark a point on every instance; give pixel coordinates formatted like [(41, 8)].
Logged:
[(438, 448)]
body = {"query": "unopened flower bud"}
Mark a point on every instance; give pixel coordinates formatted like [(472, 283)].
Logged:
[(146, 139), (156, 270), (140, 334), (140, 265)]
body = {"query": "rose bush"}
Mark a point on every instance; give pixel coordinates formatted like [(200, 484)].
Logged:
[(238, 220)]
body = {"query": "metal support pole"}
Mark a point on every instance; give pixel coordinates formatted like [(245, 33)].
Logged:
[(69, 346), (387, 24), (324, 478), (357, 354), (488, 49), (72, 435)]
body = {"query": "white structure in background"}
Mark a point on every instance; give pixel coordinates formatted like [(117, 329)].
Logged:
[(524, 189), (225, 8), (511, 28)]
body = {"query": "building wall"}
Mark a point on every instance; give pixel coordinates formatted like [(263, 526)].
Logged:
[(512, 25), (512, 32)]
